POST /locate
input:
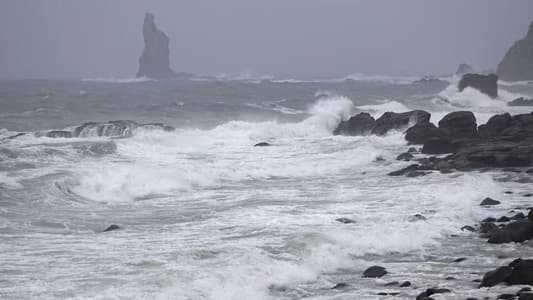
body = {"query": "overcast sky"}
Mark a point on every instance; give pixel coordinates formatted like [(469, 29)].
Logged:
[(284, 38)]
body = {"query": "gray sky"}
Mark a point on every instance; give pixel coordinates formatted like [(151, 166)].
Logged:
[(285, 38)]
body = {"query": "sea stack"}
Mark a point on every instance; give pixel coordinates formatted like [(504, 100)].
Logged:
[(517, 64), (154, 61), (464, 69)]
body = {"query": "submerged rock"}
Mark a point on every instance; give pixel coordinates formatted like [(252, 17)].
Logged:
[(59, 134), (489, 201), (517, 64), (262, 144), (459, 124), (375, 272), (155, 59), (487, 84), (111, 228)]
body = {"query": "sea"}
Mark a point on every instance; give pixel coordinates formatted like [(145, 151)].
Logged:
[(203, 214)]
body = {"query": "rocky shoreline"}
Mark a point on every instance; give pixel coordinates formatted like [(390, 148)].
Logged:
[(457, 143)]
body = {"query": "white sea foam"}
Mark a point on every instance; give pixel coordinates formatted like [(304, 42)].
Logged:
[(385, 106), (119, 80)]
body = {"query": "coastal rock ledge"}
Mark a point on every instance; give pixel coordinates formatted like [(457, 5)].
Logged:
[(155, 60)]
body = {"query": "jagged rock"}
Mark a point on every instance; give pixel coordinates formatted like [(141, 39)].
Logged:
[(155, 59), (422, 132), (464, 69), (517, 64), (375, 272), (489, 201), (360, 124), (391, 120), (487, 84), (521, 102), (406, 284), (503, 219), (459, 124), (120, 128)]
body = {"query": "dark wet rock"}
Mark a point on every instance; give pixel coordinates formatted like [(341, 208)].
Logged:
[(459, 124), (405, 171), (503, 219), (431, 291), (495, 125), (340, 286), (530, 215), (522, 272), (471, 298), (521, 102), (528, 195), (416, 174), (392, 283), (468, 228), (506, 296), (517, 64), (417, 217), (262, 144), (119, 128), (422, 132), (413, 150), (509, 192), (387, 294), (488, 228), (59, 134), (494, 277), (518, 232), (439, 145), (345, 220), (405, 284), (487, 84), (518, 216), (525, 296), (111, 228), (530, 171), (375, 272), (464, 69), (524, 290), (405, 156), (155, 59), (460, 259), (360, 124), (390, 120), (489, 220), (489, 202)]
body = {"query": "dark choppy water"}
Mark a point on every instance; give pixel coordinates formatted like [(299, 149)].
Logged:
[(207, 216)]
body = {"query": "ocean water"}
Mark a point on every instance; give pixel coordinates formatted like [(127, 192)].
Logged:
[(205, 215)]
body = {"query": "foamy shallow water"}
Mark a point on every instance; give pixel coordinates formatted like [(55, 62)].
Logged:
[(207, 216)]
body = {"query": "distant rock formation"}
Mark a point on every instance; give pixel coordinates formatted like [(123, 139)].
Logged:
[(487, 84), (464, 69), (154, 61), (517, 64), (521, 102)]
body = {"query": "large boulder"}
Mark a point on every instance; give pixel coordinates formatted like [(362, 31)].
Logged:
[(155, 59), (487, 84), (494, 126), (459, 124), (517, 64), (360, 124), (518, 232), (422, 132), (391, 120)]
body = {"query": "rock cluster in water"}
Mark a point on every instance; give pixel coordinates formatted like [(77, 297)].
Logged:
[(487, 84), (119, 128), (155, 59), (517, 64)]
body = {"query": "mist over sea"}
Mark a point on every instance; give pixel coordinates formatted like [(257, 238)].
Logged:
[(206, 215)]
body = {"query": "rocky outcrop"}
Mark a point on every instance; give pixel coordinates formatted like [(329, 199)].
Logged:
[(118, 128), (363, 123), (459, 124), (360, 124), (487, 84), (464, 69), (155, 59), (517, 64), (519, 271)]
